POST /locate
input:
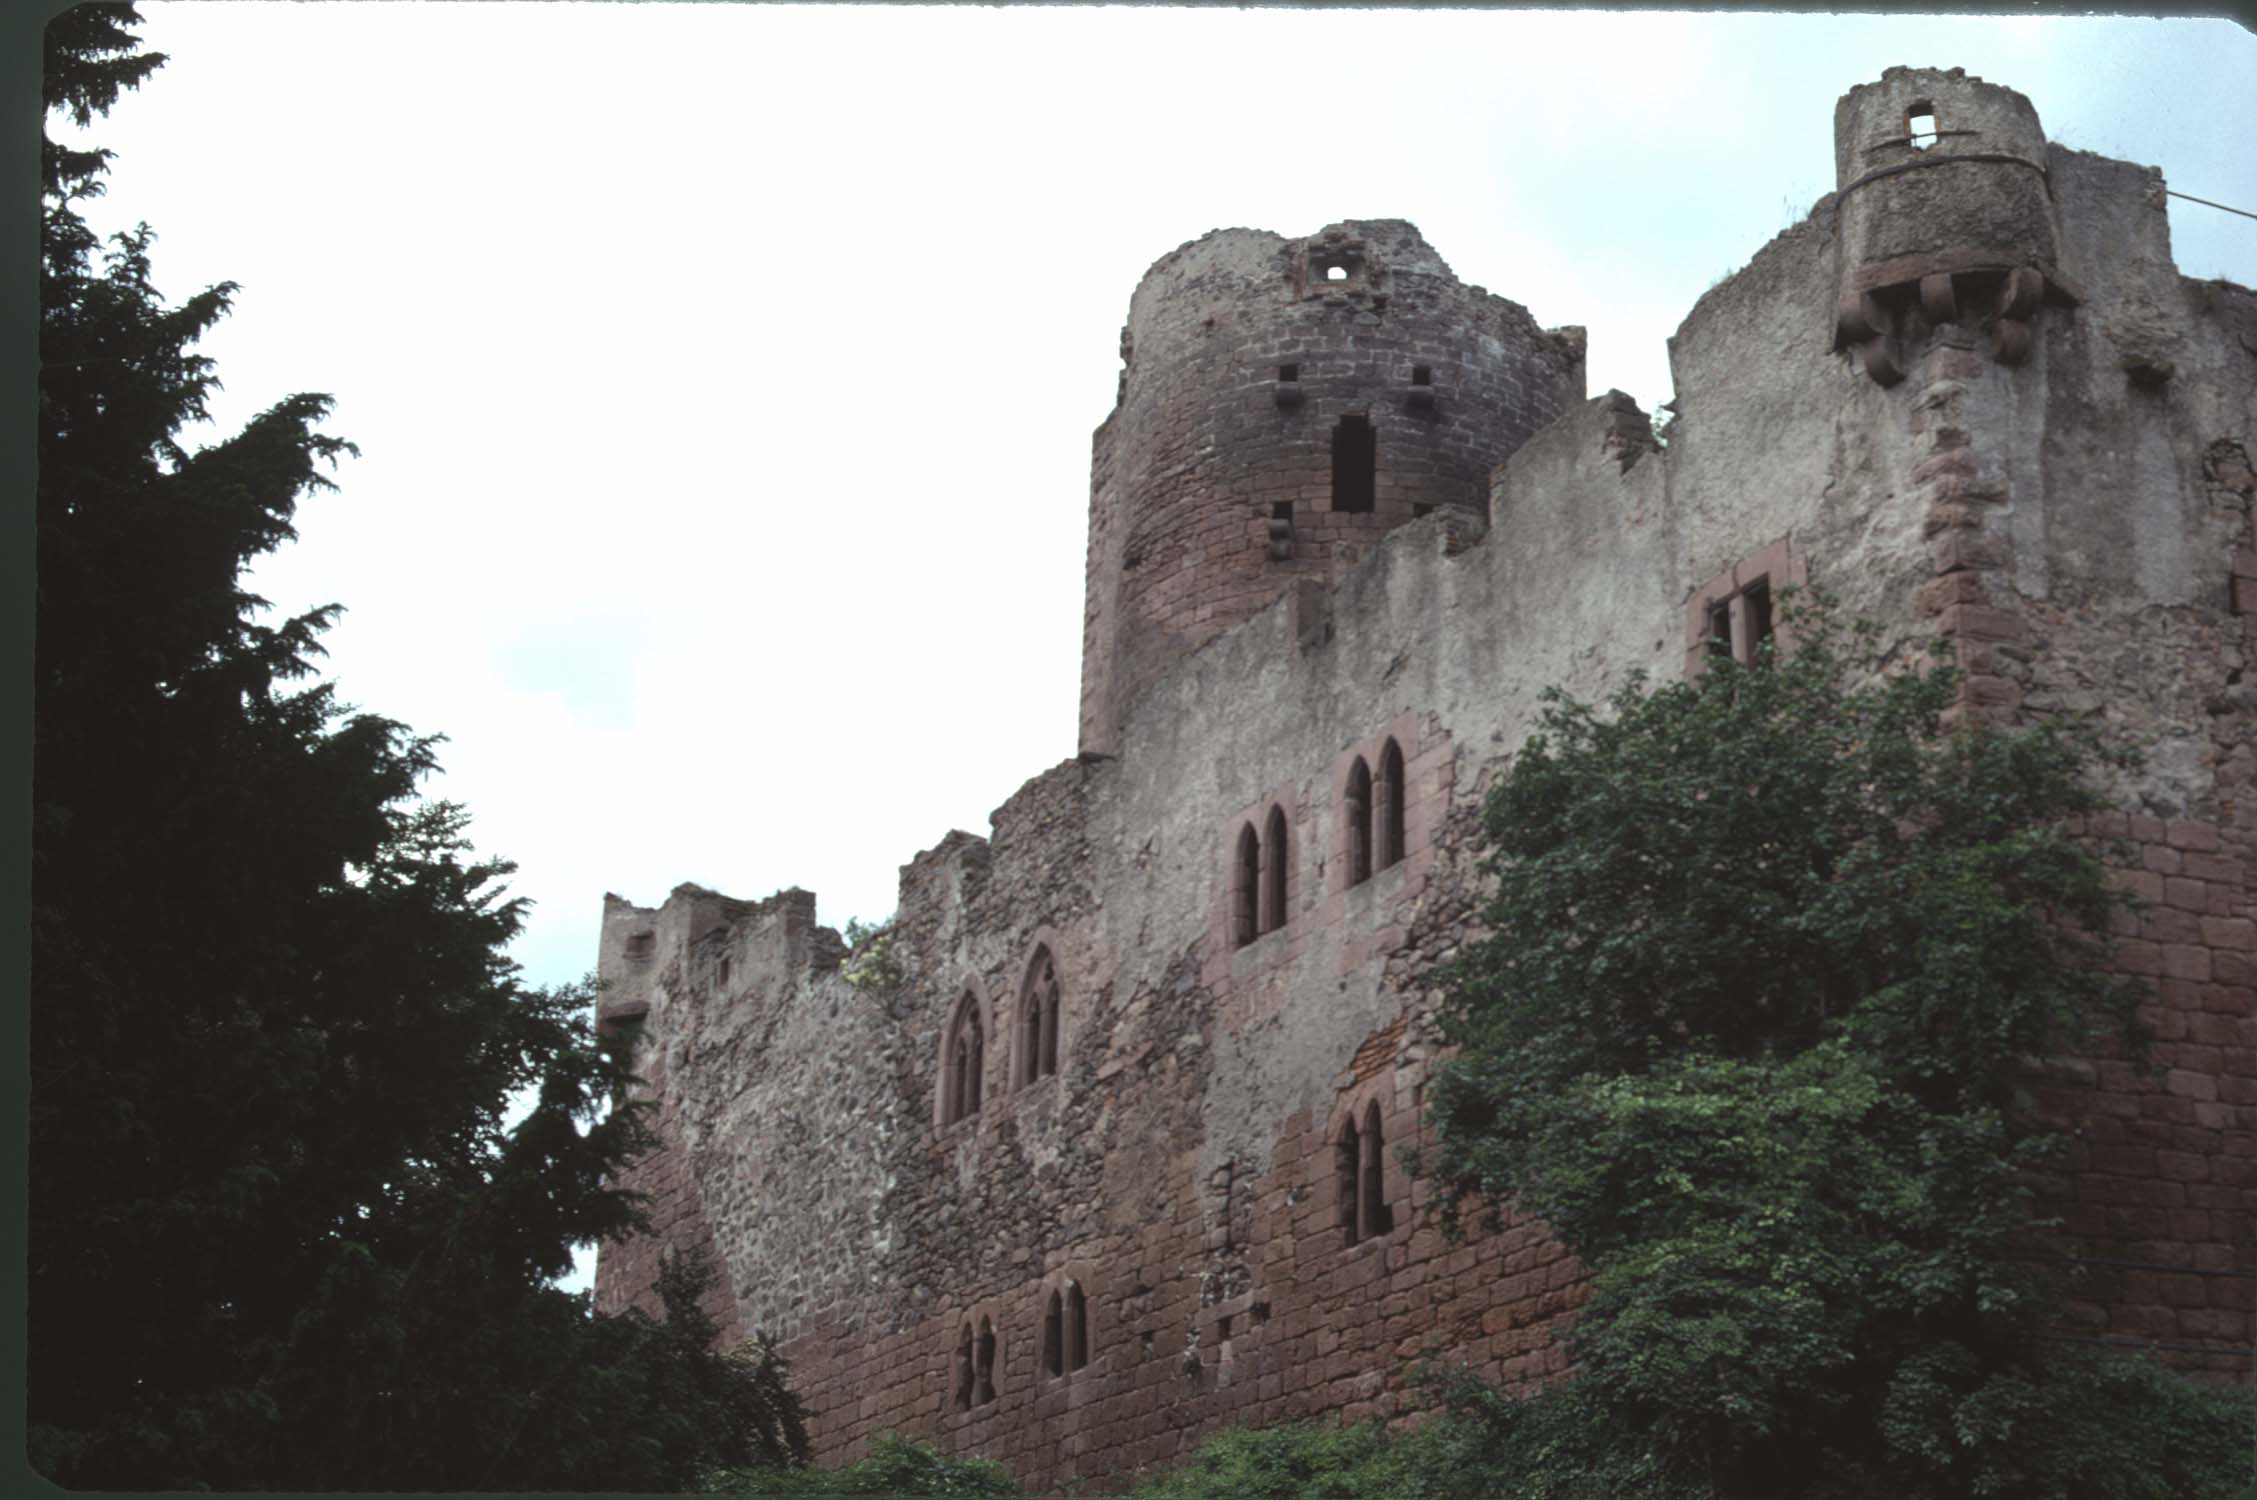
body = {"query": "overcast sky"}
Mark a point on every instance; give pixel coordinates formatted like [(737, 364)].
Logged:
[(724, 376)]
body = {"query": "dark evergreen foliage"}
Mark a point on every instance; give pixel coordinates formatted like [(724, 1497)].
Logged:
[(279, 1237)]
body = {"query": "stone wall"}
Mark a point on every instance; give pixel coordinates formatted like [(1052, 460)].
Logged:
[(2076, 525)]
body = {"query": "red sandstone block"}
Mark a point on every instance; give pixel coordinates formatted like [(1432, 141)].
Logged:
[(2186, 961), (2186, 833), (2238, 933), (2183, 1166), (2144, 828), (2138, 958), (2146, 885), (1975, 622), (2186, 894), (2191, 1085), (2160, 859), (2225, 869), (2168, 924)]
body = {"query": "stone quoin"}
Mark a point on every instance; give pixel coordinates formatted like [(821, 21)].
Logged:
[(1084, 1169)]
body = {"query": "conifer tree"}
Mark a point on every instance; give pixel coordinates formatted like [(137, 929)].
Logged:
[(279, 1234)]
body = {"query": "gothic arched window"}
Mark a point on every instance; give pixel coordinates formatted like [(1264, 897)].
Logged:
[(1038, 1019), (1077, 1326), (962, 1062), (1273, 871), (1355, 813), (1387, 805)]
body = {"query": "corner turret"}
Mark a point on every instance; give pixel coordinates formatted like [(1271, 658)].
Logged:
[(1945, 215)]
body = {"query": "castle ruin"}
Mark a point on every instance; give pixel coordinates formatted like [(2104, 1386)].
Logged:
[(1096, 1152)]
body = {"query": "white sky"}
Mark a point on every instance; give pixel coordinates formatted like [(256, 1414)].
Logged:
[(724, 375)]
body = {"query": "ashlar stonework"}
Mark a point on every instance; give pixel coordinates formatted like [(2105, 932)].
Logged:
[(1349, 513)]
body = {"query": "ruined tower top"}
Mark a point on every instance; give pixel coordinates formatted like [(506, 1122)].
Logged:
[(1945, 215), (1284, 404)]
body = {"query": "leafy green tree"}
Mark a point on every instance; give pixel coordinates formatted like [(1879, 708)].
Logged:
[(1769, 956), (279, 1235), (894, 1469)]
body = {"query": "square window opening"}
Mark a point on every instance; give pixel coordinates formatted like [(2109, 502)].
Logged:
[(1920, 125)]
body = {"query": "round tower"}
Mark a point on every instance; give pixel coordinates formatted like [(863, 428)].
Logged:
[(1284, 404), (1943, 215)]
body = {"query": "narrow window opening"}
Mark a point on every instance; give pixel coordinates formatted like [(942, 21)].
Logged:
[(983, 1365), (1030, 1041), (1348, 1159), (964, 1370), (725, 969), (1422, 375), (1054, 1339), (1720, 628), (1758, 597), (1038, 1021), (1222, 1328), (1273, 872), (1281, 510), (1372, 1217), (1920, 125), (1355, 465), (1258, 1314), (1387, 799), (960, 1073), (1245, 886), (1336, 273), (640, 946), (1356, 814), (1077, 1327), (1289, 372)]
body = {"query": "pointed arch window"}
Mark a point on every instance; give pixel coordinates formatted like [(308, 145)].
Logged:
[(1347, 1172), (1245, 887), (963, 1063), (1387, 807), (1372, 1215), (1356, 815), (1054, 1338), (1274, 864), (1360, 1177), (1077, 1327), (1038, 1019)]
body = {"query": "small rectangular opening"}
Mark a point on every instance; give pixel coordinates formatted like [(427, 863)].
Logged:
[(1289, 372), (1222, 1328), (1281, 510), (1420, 508), (1920, 125), (1758, 596), (1422, 375)]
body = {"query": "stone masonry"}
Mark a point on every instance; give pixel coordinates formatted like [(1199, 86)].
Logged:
[(1348, 519)]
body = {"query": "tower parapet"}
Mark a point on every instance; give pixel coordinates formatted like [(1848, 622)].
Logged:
[(1286, 403), (1944, 215)]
